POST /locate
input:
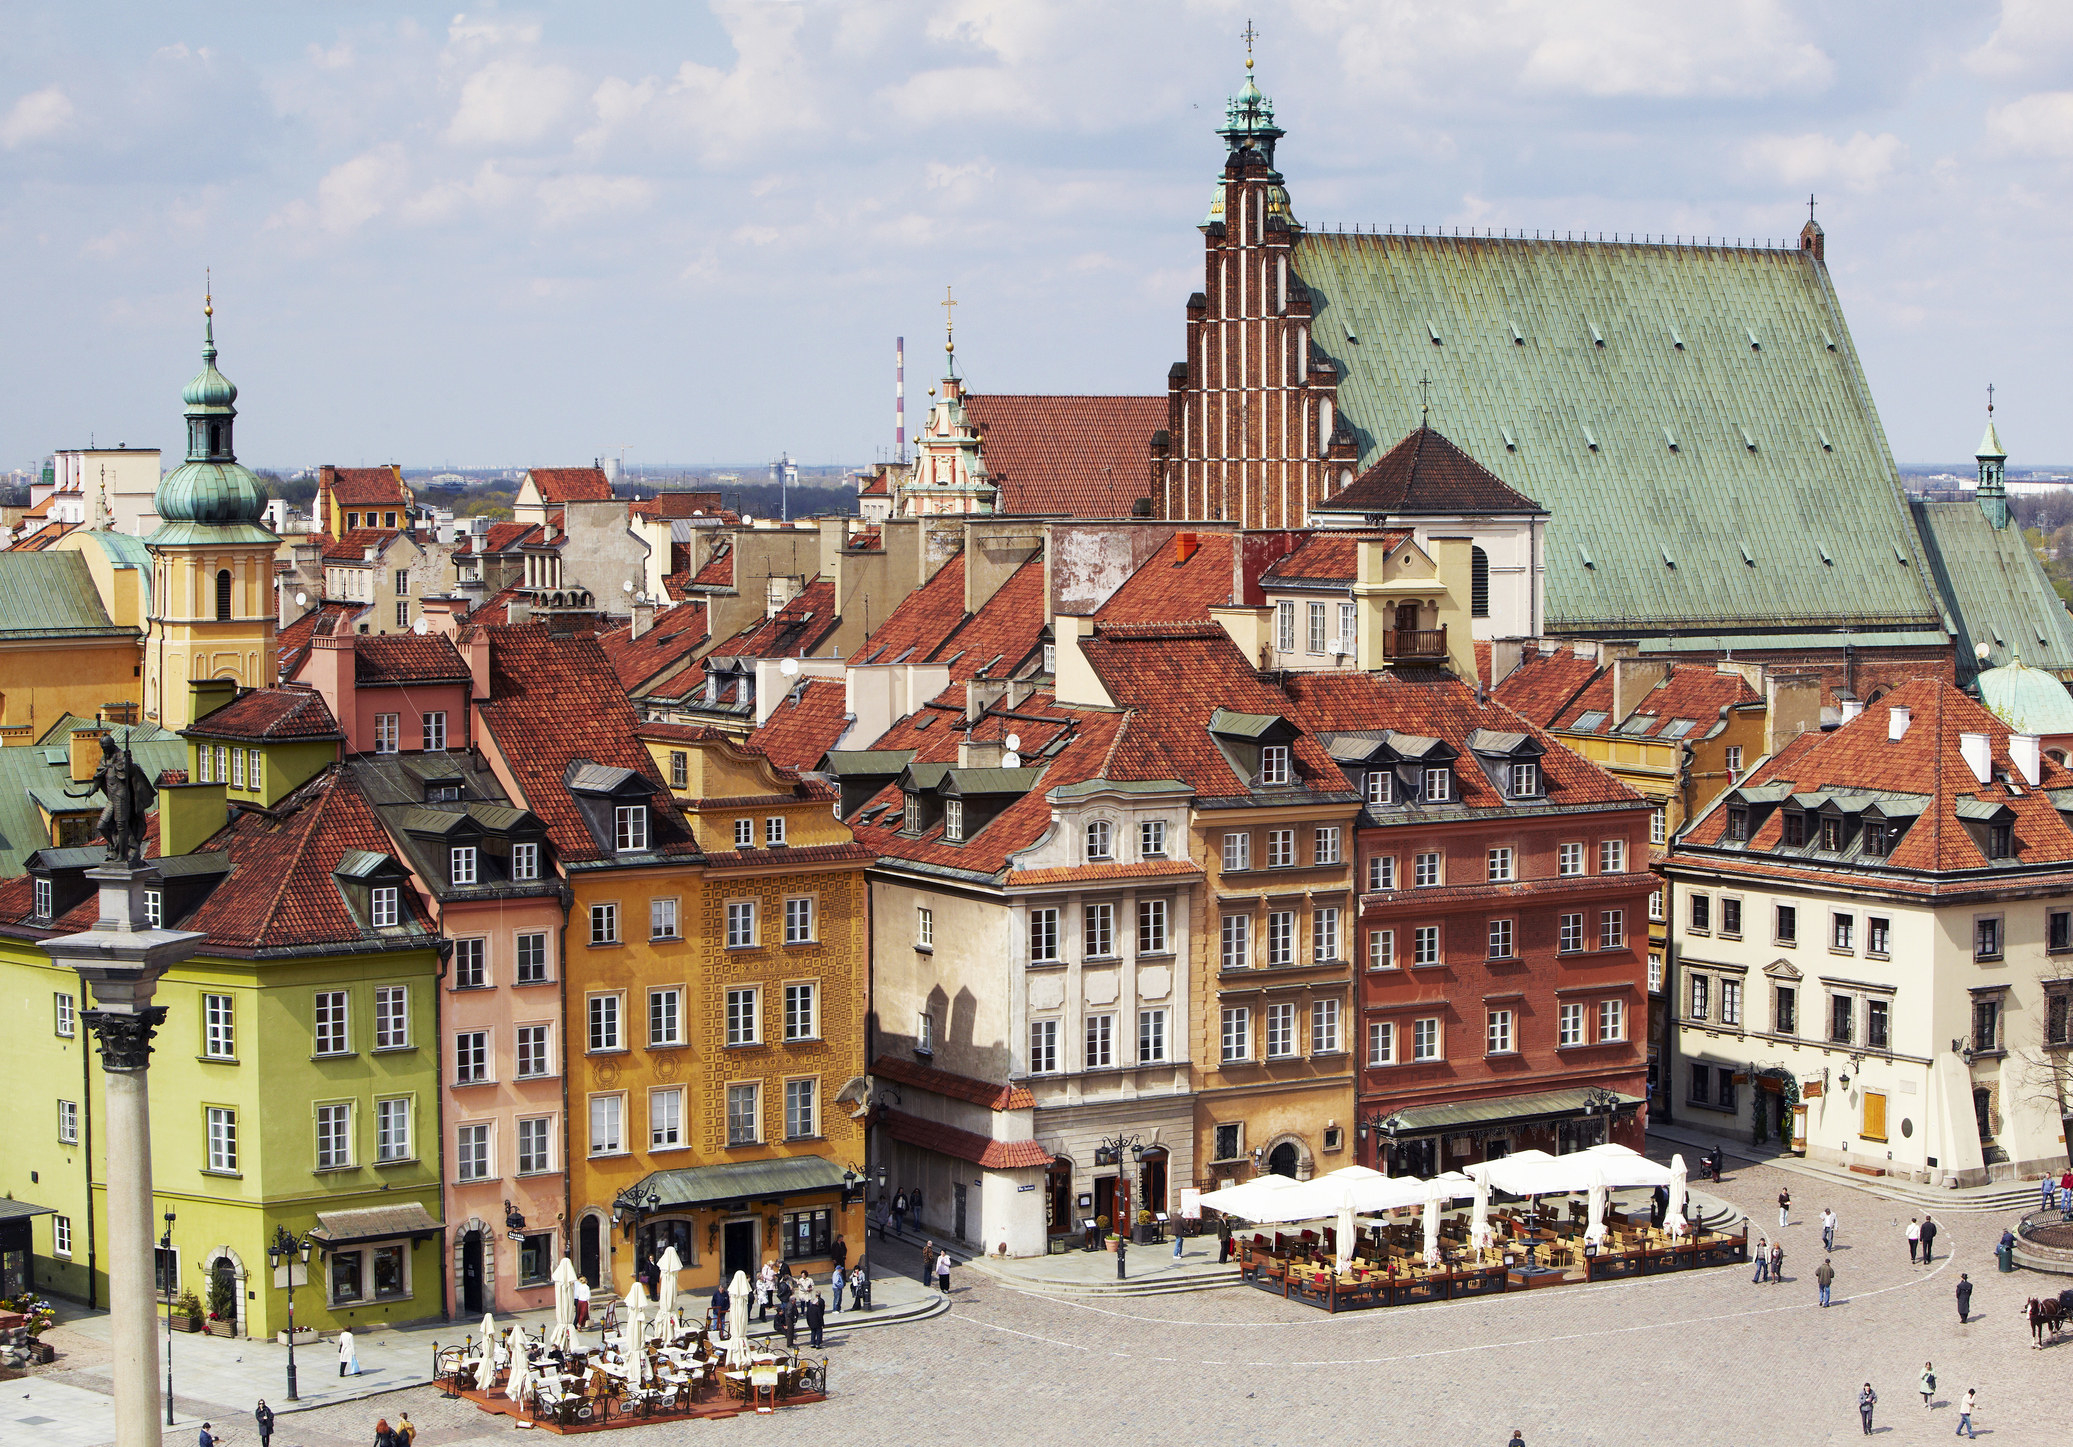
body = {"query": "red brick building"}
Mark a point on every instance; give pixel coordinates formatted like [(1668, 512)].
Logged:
[(1502, 927)]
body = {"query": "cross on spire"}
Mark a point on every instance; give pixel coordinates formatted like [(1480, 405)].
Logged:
[(1810, 205), (949, 321), (1248, 35), (1990, 399), (1424, 398)]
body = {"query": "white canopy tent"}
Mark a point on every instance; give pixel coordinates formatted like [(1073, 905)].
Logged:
[(1624, 1166)]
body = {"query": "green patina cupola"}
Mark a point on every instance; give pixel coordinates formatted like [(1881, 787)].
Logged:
[(210, 497), (1993, 461)]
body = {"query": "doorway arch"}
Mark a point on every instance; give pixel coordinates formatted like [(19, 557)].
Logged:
[(223, 1259), (1287, 1155), (590, 1252)]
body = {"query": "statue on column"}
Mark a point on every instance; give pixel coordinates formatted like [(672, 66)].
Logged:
[(130, 794)]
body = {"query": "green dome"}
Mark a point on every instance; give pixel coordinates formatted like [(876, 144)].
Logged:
[(212, 490), (210, 388), (216, 493), (2028, 700)]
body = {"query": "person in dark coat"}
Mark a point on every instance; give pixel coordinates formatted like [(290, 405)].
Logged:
[(788, 1321), (860, 1285), (816, 1318), (264, 1416), (1964, 1298), (928, 1264), (1928, 1238), (899, 1210), (721, 1302), (1223, 1239), (1659, 1205), (839, 1253)]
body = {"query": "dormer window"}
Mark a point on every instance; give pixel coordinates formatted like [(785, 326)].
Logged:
[(1525, 781), (525, 861), (1795, 829), (1878, 840), (911, 819), (461, 862), (954, 820), (1738, 824), (154, 908), (1274, 764), (384, 905), (679, 769), (630, 827), (1439, 786), (1380, 786), (43, 899), (2001, 841), (1100, 836), (1831, 834)]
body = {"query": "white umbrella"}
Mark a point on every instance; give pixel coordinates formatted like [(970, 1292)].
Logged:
[(564, 1333), (521, 1367), (1479, 1218), (738, 1320), (486, 1365), (636, 1318), (1674, 1221), (1346, 1232), (1594, 1228), (666, 1293), (1433, 1199)]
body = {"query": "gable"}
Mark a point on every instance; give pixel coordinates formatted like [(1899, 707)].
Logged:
[(1994, 590)]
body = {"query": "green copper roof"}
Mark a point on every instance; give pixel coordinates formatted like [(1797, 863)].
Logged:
[(2027, 699), (1994, 590), (217, 499), (1711, 391), (1990, 444), (52, 595)]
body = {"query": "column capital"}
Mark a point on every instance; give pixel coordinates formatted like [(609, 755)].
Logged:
[(125, 1035)]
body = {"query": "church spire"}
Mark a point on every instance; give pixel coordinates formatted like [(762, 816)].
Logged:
[(1992, 459), (209, 398)]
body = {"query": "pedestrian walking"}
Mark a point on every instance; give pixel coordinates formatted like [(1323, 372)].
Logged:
[(1518, 1439), (914, 1206), (837, 1279), (2049, 1185), (1828, 1228), (582, 1302), (788, 1317), (1928, 1238), (264, 1416), (1926, 1383), (406, 1429), (928, 1263), (1825, 1275), (816, 1319), (1965, 1414), (348, 1355), (1223, 1239), (1914, 1240), (1964, 1298), (1762, 1253), (720, 1303), (766, 1290), (207, 1438), (943, 1272), (384, 1434), (1784, 1207), (899, 1210), (1175, 1227), (1777, 1262), (860, 1286), (1866, 1400), (1659, 1205), (1717, 1162)]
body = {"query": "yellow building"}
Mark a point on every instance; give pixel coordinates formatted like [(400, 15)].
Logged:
[(63, 649)]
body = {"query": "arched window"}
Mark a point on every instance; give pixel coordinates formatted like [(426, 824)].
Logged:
[(215, 438), (1478, 583), (223, 595)]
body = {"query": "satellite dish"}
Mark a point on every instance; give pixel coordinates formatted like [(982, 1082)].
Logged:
[(421, 627), (627, 586), (302, 600), (1011, 760), (789, 667), (1981, 652), (1013, 741)]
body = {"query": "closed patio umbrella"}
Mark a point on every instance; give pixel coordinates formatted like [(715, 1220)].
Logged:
[(486, 1365), (564, 1333), (1479, 1217), (514, 1385), (636, 1319), (1674, 1221), (1434, 1198), (666, 1292), (1346, 1232), (738, 1320), (1594, 1228)]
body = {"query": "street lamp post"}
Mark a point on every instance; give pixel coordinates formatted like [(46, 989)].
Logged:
[(1598, 1101), (285, 1251), (1110, 1150), (1387, 1125), (165, 1245)]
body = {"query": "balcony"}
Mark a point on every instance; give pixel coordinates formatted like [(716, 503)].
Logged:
[(1415, 645)]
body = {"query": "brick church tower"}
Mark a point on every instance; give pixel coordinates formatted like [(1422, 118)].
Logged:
[(1253, 430)]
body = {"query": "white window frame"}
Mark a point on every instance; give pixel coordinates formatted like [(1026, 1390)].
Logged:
[(1569, 860), (802, 1011), (1324, 934), (1382, 949), (1314, 637), (604, 1023), (1237, 1033), (1236, 942), (1274, 764), (1439, 786), (1428, 1039), (1500, 940), (773, 831), (1043, 1046), (608, 1124), (741, 924), (471, 1056), (666, 1118), (1612, 1021), (1569, 1028), (1499, 1037), (68, 1122), (604, 923), (1281, 937), (334, 1145), (1500, 865), (662, 918), (474, 1153), (219, 1027), (1101, 1040), (1612, 856), (1101, 841), (1281, 1030), (744, 1113), (803, 1109), (535, 1144), (1381, 872), (1324, 1027), (924, 927), (535, 1054), (221, 1132), (1428, 869), (1426, 949), (1237, 853), (630, 828), (799, 919), (530, 943), (525, 861), (1151, 838), (1381, 1043), (388, 733), (665, 1016), (1154, 927), (1098, 931), (1379, 786), (385, 906), (744, 1017), (1325, 844), (392, 1017), (1152, 1047), (1045, 946), (1281, 848), (333, 1032), (434, 731)]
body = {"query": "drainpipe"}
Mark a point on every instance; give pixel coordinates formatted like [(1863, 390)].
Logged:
[(1666, 1058), (86, 1111), (568, 1206), (445, 949)]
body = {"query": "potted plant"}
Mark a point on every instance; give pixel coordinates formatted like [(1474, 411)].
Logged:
[(187, 1312), (223, 1306), (1101, 1224), (1147, 1226)]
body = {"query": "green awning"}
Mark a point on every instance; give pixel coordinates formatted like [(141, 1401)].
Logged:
[(737, 1181), (1462, 1114)]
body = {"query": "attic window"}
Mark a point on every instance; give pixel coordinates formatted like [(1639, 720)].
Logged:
[(1676, 340), (630, 828), (954, 820), (1677, 728), (1671, 438), (1737, 823), (2001, 841), (1517, 340), (910, 820), (1274, 764), (43, 899), (1433, 332), (1597, 337), (1589, 722), (1525, 780), (1878, 842)]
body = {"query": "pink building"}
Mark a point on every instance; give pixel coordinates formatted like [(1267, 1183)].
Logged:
[(393, 692)]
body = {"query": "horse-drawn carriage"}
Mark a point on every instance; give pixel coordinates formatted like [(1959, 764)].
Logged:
[(2049, 1316)]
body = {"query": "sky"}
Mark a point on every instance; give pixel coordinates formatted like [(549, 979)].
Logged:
[(685, 233)]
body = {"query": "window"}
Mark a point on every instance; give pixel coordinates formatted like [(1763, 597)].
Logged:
[(1281, 937), (925, 1034), (1101, 1042), (1497, 868), (1569, 1025), (1842, 931), (470, 964), (665, 1118), (1986, 1025), (223, 613), (2057, 1008), (1655, 974), (1874, 1126), (807, 1233), (1379, 786), (1325, 845), (532, 1051), (1878, 840), (774, 831), (525, 861), (1569, 859), (954, 820), (1439, 786), (1381, 1043), (604, 924), (68, 1122), (604, 1023), (1425, 945), (1500, 939), (1724, 1087), (607, 1124), (1478, 583), (1787, 924), (1525, 781), (741, 924), (1324, 1027), (1324, 934), (1151, 1036), (665, 1018), (1425, 869), (1701, 992), (1734, 758), (1986, 938), (1570, 934), (1659, 825), (1151, 927), (1316, 630), (1099, 931), (392, 1017), (1612, 929), (223, 1138), (471, 1056), (1842, 1016), (61, 1235), (1151, 839), (402, 612), (799, 920), (1425, 1038), (1497, 1032), (222, 763), (1050, 658), (1237, 941), (745, 829), (910, 816), (385, 905), (1731, 916), (1730, 1002), (43, 903), (2000, 841), (1382, 871), (471, 1149), (1043, 935), (1785, 1010), (802, 1015), (1381, 949), (219, 1039), (744, 1114), (1043, 1047), (237, 768), (1237, 1036), (1237, 852), (1655, 905), (331, 1022), (924, 928), (1737, 823), (334, 1137), (1285, 626), (1702, 911), (435, 731), (1274, 764), (1701, 1087), (535, 1137), (203, 774), (1612, 856), (1281, 848), (630, 828), (741, 1017), (1281, 1031), (679, 769), (1100, 837), (2058, 931), (1877, 1015), (532, 959), (1831, 833)]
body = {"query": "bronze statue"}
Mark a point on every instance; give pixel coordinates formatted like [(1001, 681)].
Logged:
[(130, 795)]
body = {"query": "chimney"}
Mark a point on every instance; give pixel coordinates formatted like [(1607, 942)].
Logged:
[(441, 614), (330, 671), (474, 647), (1896, 721), (779, 590), (643, 617), (1978, 750), (979, 754), (1632, 679), (85, 753), (1851, 708), (2028, 752), (981, 694)]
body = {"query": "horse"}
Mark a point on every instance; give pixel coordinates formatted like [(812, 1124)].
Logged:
[(2048, 1313)]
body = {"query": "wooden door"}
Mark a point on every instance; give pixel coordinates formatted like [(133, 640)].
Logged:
[(1874, 1116)]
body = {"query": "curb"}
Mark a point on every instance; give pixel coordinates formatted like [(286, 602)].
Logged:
[(2001, 1197)]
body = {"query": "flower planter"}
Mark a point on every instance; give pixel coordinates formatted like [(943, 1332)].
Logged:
[(304, 1335), (222, 1328), (1147, 1235), (187, 1323)]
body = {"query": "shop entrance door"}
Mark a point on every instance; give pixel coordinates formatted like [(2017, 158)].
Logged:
[(1282, 1160), (589, 1254), (471, 1275), (1154, 1177), (1058, 1184), (738, 1250), (1105, 1199)]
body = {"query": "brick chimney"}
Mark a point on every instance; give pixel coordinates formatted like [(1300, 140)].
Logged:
[(330, 672)]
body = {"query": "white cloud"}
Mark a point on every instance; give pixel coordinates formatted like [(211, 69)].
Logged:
[(1860, 163), (2036, 125), (37, 116), (2032, 35), (512, 103), (1608, 48), (602, 200), (356, 191)]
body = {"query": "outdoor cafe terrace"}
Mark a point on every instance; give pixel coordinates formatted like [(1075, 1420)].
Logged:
[(1556, 1221)]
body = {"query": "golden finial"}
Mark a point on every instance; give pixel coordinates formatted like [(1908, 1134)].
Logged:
[(1249, 35), (208, 293), (949, 322)]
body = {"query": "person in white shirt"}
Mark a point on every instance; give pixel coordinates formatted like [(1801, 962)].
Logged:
[(1828, 1228), (582, 1302), (348, 1356)]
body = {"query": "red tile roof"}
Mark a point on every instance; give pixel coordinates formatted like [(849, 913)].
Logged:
[(1424, 474), (496, 609), (794, 631), (1096, 873), (269, 713), (1330, 557), (1178, 584), (352, 548), (876, 487), (570, 484), (924, 618), (679, 505), (1697, 692), (659, 653), (294, 640), (953, 1085), (1006, 630), (1540, 689), (390, 658), (361, 487), (965, 1145), (807, 724), (1079, 455), (500, 538), (718, 571)]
